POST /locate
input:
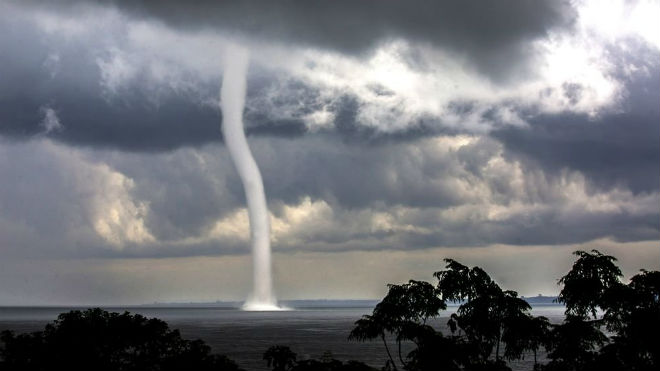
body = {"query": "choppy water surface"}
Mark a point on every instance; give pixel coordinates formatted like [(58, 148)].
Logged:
[(244, 336)]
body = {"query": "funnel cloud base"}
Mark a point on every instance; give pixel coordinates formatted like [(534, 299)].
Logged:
[(263, 307)]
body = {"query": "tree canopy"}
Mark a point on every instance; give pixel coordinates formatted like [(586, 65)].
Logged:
[(492, 325), (95, 339)]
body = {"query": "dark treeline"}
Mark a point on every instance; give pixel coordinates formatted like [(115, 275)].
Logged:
[(490, 327), (101, 341)]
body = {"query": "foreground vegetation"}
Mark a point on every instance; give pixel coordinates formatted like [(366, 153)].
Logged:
[(493, 325), (98, 340), (490, 327)]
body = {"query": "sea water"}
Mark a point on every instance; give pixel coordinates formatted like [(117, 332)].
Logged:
[(244, 336)]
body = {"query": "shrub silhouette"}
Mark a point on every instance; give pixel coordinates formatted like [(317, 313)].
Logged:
[(281, 358), (95, 339)]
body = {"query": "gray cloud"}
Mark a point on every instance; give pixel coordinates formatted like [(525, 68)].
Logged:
[(618, 150), (353, 167), (139, 114), (430, 192), (393, 134), (325, 195), (614, 149), (137, 118), (349, 164), (76, 78), (492, 34), (132, 121)]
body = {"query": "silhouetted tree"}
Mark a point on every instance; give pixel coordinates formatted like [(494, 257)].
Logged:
[(331, 365), (405, 308), (370, 327), (487, 313), (408, 307), (630, 312), (98, 340), (459, 283), (585, 285), (280, 357), (574, 344), (489, 319), (434, 351), (526, 333)]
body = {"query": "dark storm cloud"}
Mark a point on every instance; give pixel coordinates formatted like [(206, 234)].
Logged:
[(617, 150), (332, 195), (144, 115), (187, 191), (356, 176), (347, 126), (75, 93), (613, 149), (492, 33), (138, 117), (132, 123), (201, 190), (539, 228)]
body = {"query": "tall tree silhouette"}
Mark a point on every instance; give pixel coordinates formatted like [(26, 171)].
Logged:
[(574, 344), (487, 312), (631, 312), (402, 311), (585, 285)]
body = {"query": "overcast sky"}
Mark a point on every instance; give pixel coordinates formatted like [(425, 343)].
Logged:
[(504, 134)]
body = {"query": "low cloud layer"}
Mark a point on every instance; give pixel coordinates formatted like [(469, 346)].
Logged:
[(441, 191), (491, 35)]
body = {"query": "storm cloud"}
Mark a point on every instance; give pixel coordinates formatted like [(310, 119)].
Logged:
[(118, 79), (492, 35), (325, 195), (614, 149), (408, 130)]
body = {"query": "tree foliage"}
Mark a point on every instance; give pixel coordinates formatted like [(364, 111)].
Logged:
[(280, 358), (487, 320), (283, 358), (491, 325), (631, 312), (488, 315), (585, 286), (95, 339)]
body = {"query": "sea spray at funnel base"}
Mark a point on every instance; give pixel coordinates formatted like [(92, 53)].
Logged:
[(232, 102)]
